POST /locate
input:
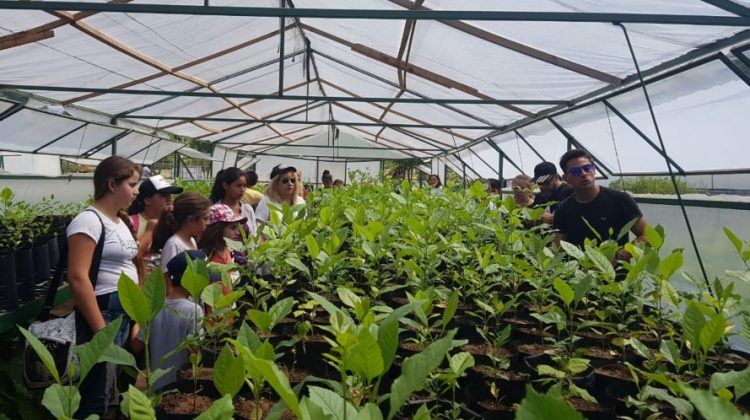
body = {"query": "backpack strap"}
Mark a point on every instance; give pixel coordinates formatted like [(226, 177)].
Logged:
[(62, 263)]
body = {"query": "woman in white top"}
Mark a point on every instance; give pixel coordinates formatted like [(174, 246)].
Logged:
[(115, 179), (285, 187), (229, 188), (178, 228)]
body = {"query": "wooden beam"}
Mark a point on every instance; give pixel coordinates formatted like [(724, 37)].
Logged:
[(411, 68), (180, 67), (519, 47), (22, 38)]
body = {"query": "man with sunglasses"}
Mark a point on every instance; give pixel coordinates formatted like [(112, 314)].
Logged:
[(594, 207), (552, 190)]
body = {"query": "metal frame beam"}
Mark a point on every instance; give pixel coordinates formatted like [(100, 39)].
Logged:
[(101, 146), (59, 138), (503, 155), (730, 6), (478, 15), (571, 138), (193, 92), (484, 161), (12, 110), (642, 135), (539, 155), (322, 146)]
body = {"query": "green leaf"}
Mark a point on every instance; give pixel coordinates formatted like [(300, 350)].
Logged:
[(601, 263), (221, 409), (261, 320), (572, 250), (547, 370), (229, 372), (212, 293), (415, 370), (247, 337), (669, 350), (388, 338), (460, 362), (312, 246), (44, 355), (736, 241), (680, 405), (740, 380), (711, 406), (745, 329), (299, 265), (639, 347), (364, 357), (133, 300), (348, 297), (330, 308), (692, 324), (194, 282), (564, 291), (670, 264), (654, 237), (712, 332), (537, 406), (89, 353), (670, 293), (139, 405), (331, 403), (280, 310), (56, 400), (582, 288), (371, 412), (156, 291), (450, 308), (118, 355)]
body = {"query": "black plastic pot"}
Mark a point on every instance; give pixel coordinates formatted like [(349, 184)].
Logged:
[(25, 274), (53, 251), (40, 254), (443, 406), (8, 286)]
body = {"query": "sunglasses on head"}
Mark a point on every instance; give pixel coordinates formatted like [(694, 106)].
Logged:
[(288, 180), (579, 170)]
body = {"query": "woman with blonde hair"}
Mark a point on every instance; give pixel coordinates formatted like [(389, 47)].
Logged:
[(523, 190), (102, 247), (284, 188)]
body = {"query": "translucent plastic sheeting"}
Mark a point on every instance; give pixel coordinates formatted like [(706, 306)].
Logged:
[(490, 159), (344, 146), (370, 169), (716, 250), (444, 50), (479, 164), (144, 149), (686, 7), (518, 152), (266, 163), (700, 113), (609, 138), (75, 188), (82, 140), (27, 129), (118, 103), (438, 168), (4, 106), (223, 158)]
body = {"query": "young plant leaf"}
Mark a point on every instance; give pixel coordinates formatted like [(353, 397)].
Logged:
[(193, 281), (221, 409), (388, 338), (156, 291), (133, 300), (229, 372), (44, 355), (280, 310), (692, 324), (139, 405), (57, 399), (118, 355), (450, 308), (602, 264), (654, 237), (312, 246), (89, 353), (565, 291), (332, 404), (712, 332), (670, 264), (364, 357), (740, 380), (711, 406), (261, 320), (572, 250), (736, 241), (537, 406)]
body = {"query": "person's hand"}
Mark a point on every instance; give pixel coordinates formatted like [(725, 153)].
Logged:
[(547, 218), (622, 255)]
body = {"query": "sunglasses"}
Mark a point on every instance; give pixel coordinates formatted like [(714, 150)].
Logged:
[(288, 180), (580, 170)]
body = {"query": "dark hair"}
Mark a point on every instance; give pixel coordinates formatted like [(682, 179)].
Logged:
[(495, 184), (186, 205), (252, 178), (227, 175), (573, 154), (213, 237), (439, 184), (326, 176), (113, 168)]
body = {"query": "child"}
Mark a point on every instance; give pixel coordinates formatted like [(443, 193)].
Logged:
[(173, 323), (178, 228), (222, 223)]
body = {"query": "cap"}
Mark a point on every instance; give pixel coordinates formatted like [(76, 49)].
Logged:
[(157, 184), (177, 265), (224, 213), (544, 171), (279, 169)]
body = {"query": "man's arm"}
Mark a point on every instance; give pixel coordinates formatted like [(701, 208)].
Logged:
[(639, 230), (559, 236)]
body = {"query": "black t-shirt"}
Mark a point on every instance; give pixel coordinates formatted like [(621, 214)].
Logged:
[(610, 210), (561, 193)]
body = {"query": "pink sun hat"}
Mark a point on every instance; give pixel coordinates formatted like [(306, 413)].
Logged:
[(223, 213)]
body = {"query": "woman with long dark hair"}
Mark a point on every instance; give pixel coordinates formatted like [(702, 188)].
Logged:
[(154, 198), (229, 188), (95, 291)]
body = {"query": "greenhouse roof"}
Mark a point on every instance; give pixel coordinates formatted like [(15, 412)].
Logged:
[(487, 88)]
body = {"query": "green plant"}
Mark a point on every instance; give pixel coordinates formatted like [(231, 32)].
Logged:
[(651, 185)]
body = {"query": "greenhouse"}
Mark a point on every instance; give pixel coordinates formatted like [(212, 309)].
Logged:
[(377, 209)]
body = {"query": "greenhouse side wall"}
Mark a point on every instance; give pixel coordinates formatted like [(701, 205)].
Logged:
[(65, 189)]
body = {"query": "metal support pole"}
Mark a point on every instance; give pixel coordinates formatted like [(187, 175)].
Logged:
[(114, 146), (317, 172), (281, 50), (176, 165), (346, 168), (502, 160), (464, 173)]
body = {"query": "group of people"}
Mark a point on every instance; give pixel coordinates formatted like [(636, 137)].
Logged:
[(106, 240), (193, 226), (575, 205)]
